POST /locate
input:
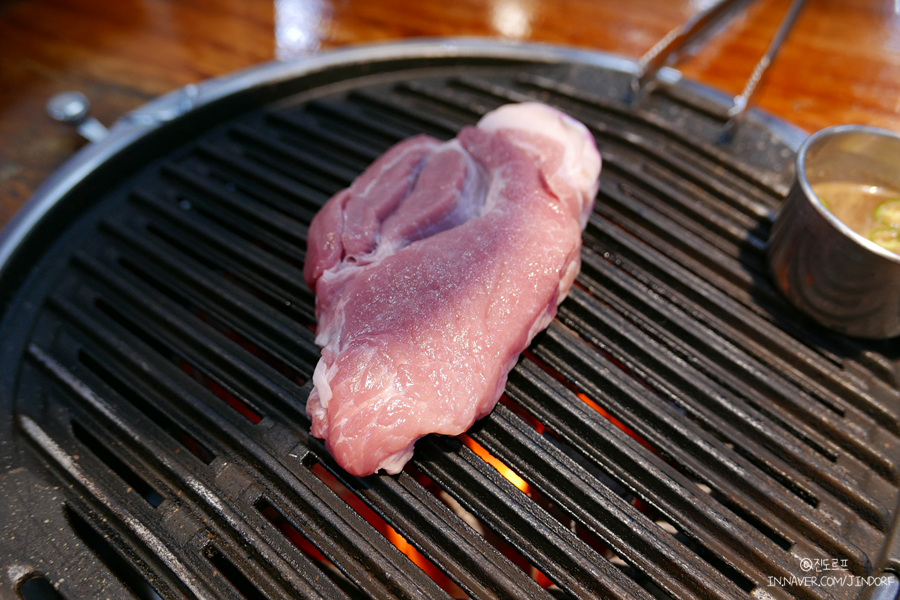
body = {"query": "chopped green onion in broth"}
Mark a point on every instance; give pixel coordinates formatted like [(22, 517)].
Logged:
[(869, 210)]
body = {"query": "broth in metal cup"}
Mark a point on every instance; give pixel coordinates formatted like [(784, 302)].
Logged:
[(834, 246)]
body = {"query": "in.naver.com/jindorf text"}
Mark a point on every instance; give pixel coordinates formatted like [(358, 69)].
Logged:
[(827, 573)]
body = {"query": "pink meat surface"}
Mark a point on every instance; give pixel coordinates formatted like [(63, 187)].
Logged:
[(434, 270)]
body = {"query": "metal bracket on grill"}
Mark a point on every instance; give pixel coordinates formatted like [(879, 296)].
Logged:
[(74, 108)]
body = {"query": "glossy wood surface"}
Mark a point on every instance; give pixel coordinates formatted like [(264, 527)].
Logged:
[(841, 63)]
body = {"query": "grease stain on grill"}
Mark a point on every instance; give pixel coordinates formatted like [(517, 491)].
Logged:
[(165, 422), (233, 574), (109, 458), (123, 568), (295, 536)]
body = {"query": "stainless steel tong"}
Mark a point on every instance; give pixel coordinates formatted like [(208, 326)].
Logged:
[(686, 39)]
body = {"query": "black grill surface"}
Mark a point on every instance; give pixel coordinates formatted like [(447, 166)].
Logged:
[(679, 431)]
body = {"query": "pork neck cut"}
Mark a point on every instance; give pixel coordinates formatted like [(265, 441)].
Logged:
[(434, 270)]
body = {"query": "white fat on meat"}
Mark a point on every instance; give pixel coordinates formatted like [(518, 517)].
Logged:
[(434, 270)]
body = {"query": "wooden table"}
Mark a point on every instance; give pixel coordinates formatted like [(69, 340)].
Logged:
[(841, 63)]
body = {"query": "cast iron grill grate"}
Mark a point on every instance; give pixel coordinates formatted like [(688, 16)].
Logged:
[(678, 432)]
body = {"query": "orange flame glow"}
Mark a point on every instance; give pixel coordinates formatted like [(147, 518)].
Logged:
[(616, 422), (495, 462), (419, 559)]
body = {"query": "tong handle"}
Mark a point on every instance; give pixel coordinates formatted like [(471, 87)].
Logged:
[(686, 38), (744, 101), (683, 40)]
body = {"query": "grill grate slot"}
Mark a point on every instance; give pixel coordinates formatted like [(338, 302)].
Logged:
[(554, 550), (134, 481), (218, 247), (440, 531), (136, 582), (207, 293), (675, 434), (632, 346), (233, 574), (222, 199), (226, 166), (683, 223), (661, 425), (349, 121), (635, 539), (276, 518), (740, 327), (289, 195), (740, 275), (330, 175), (175, 431), (701, 345), (700, 396), (409, 119), (187, 344), (300, 128)]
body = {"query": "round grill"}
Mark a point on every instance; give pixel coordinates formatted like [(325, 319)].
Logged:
[(677, 432)]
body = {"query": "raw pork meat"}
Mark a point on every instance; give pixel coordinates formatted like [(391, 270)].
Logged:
[(434, 270)]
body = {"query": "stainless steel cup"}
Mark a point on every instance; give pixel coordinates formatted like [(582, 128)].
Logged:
[(838, 277)]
